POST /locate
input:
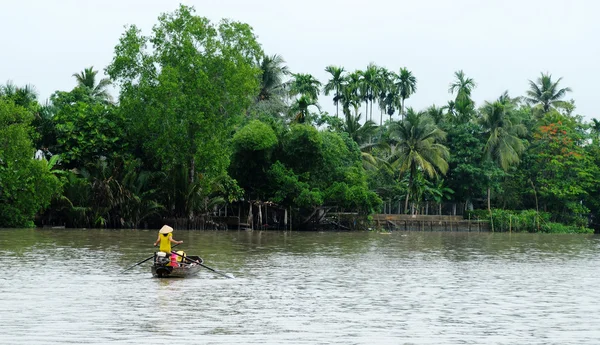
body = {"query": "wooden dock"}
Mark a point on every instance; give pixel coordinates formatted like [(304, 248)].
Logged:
[(405, 222)]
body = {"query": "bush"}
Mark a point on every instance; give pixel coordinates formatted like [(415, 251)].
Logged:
[(525, 221)]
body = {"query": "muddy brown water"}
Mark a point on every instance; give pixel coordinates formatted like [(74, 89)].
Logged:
[(65, 287)]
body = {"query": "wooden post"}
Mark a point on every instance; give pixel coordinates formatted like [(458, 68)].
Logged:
[(510, 223), (469, 222)]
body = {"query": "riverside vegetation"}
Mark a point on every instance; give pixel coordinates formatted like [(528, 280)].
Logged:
[(205, 118)]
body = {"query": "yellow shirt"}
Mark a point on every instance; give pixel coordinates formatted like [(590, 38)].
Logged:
[(165, 242)]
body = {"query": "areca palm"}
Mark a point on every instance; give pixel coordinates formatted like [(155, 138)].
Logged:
[(407, 86), (369, 86), (87, 79), (350, 91), (503, 131), (273, 72), (418, 148), (546, 93), (335, 84), (385, 86), (464, 107), (463, 86)]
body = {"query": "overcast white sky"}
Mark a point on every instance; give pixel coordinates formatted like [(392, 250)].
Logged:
[(499, 43)]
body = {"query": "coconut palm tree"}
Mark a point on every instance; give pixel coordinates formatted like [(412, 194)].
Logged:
[(87, 79), (305, 85), (335, 84), (271, 83), (300, 108), (360, 133), (436, 114), (546, 93), (407, 86), (25, 96), (503, 132), (418, 148)]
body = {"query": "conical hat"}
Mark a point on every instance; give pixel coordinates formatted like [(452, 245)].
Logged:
[(165, 229)]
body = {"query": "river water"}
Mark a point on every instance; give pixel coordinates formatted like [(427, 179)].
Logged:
[(65, 287)]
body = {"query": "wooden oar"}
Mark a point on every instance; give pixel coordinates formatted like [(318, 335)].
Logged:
[(141, 262), (203, 265)]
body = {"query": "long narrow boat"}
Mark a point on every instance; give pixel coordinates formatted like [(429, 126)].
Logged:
[(163, 268)]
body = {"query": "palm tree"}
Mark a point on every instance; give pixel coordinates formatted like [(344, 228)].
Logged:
[(462, 86), (418, 148), (273, 72), (546, 93), (385, 86), (305, 85), (335, 84), (299, 109), (436, 114), (595, 128), (503, 132), (407, 85), (369, 86), (350, 91), (360, 133), (25, 96), (87, 79)]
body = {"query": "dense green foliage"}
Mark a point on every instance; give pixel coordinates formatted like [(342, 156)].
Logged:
[(26, 184), (205, 120)]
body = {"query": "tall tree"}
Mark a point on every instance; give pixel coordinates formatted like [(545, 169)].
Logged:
[(546, 93), (462, 86), (273, 71), (418, 148), (300, 108), (385, 86), (87, 79), (503, 132), (26, 184), (464, 107), (335, 84), (407, 86), (185, 88), (305, 85), (369, 86)]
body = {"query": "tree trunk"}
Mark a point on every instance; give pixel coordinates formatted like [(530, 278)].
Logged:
[(337, 103), (490, 209), (410, 182), (537, 209), (402, 109), (191, 182)]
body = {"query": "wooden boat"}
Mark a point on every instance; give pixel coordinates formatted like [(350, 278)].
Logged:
[(187, 266)]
